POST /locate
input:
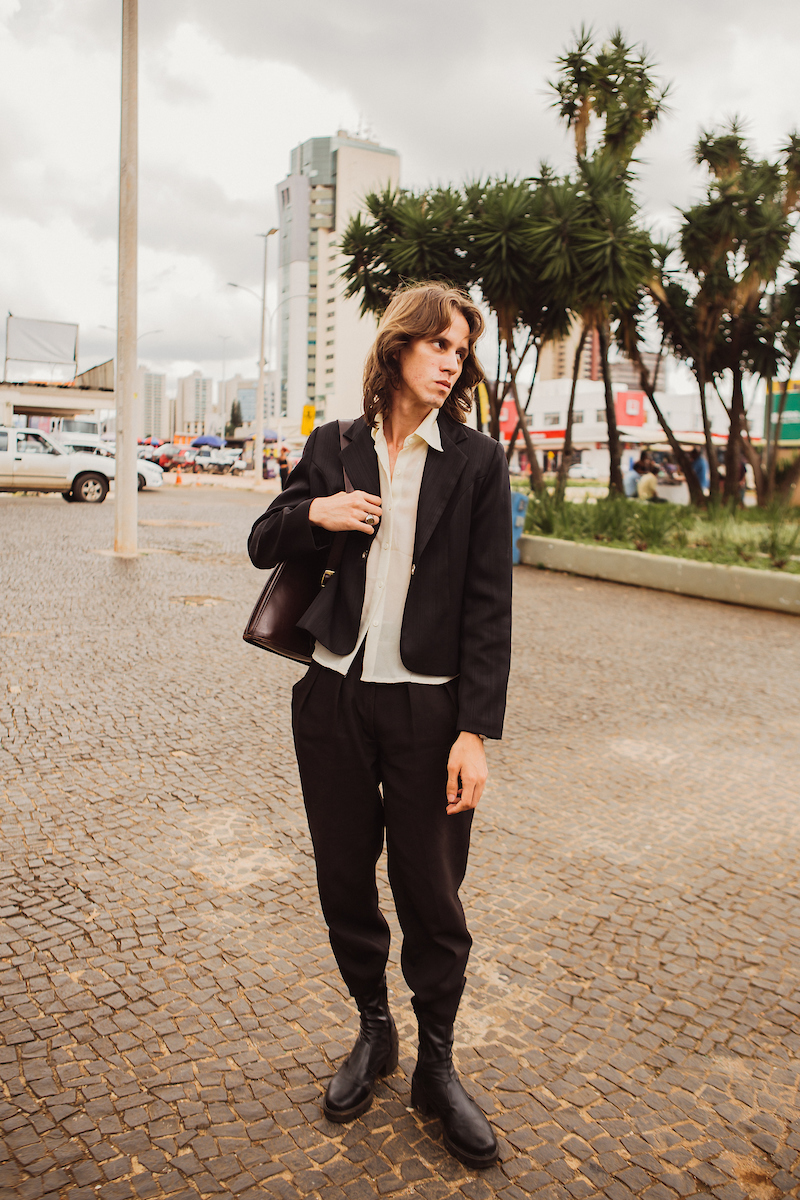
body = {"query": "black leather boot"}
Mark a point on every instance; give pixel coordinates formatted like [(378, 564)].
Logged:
[(351, 1090), (436, 1090)]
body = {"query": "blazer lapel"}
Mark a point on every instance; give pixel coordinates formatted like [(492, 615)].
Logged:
[(442, 472), (360, 460)]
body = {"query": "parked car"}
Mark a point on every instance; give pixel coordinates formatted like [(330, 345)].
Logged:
[(208, 458), (150, 473), (31, 461), (579, 471), (172, 456)]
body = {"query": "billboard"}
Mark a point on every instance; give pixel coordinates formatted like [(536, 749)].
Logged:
[(32, 341), (790, 425), (629, 407)]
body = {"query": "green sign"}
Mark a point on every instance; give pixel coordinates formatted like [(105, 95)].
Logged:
[(790, 425)]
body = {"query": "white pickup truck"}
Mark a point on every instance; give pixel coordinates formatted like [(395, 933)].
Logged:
[(31, 461)]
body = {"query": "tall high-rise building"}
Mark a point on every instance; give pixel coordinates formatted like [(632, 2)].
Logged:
[(154, 405), (557, 358), (323, 339), (245, 391), (193, 403)]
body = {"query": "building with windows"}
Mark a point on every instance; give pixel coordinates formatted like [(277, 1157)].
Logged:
[(154, 406), (194, 403), (557, 358), (323, 339), (243, 390)]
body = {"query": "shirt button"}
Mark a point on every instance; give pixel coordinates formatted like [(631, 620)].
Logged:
[(380, 583), (375, 624)]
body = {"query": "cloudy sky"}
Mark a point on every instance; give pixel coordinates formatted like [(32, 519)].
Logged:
[(228, 87)]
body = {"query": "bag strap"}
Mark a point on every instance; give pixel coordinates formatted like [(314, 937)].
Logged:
[(344, 429), (337, 549)]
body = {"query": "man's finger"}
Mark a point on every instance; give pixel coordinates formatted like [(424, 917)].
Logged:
[(452, 783), (467, 792)]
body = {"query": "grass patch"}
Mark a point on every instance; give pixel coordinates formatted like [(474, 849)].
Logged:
[(764, 539)]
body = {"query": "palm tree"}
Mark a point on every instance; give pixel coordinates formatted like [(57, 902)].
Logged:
[(511, 281), (595, 257), (733, 244), (609, 256)]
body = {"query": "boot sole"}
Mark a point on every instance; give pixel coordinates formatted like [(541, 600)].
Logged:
[(342, 1116), (479, 1161)]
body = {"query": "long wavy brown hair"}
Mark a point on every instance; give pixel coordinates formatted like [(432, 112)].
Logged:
[(421, 310)]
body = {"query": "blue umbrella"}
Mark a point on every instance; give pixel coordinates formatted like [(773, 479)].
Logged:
[(209, 440), (270, 435)]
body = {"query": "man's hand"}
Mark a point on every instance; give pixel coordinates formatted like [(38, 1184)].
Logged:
[(466, 773), (345, 510)]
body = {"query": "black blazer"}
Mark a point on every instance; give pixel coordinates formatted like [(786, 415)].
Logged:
[(457, 618)]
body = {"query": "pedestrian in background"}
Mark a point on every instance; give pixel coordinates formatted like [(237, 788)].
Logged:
[(700, 467), (283, 467), (409, 675)]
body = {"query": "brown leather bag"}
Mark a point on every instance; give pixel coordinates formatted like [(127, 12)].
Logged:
[(290, 590)]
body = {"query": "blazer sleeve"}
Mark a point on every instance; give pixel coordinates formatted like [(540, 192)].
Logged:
[(485, 652), (284, 531)]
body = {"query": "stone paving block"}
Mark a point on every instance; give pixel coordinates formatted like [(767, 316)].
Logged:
[(169, 1005)]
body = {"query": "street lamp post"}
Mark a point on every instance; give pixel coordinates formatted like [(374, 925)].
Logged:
[(258, 447), (126, 481), (223, 401)]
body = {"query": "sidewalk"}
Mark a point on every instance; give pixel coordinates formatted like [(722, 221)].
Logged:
[(169, 1006)]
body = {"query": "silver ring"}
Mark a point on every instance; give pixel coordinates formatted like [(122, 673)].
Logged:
[(370, 520)]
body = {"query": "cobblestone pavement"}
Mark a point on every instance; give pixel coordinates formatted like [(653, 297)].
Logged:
[(170, 1007)]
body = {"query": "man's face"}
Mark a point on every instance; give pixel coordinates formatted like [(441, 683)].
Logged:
[(429, 367)]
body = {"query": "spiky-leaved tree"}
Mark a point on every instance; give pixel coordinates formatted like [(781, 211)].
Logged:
[(615, 86), (733, 244), (510, 277), (478, 239)]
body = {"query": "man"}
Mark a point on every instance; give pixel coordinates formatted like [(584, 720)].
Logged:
[(409, 675), (700, 467), (647, 486)]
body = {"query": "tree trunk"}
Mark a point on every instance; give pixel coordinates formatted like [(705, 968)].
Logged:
[(537, 479), (518, 427), (495, 404), (561, 481), (733, 454), (711, 452), (681, 457), (772, 445), (537, 482), (615, 473)]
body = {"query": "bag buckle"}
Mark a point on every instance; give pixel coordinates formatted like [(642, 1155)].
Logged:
[(326, 575)]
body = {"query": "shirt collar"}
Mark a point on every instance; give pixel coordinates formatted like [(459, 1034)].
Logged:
[(427, 430)]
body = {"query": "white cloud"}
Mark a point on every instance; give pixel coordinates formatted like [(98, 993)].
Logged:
[(226, 90)]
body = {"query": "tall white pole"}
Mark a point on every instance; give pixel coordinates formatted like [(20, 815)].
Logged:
[(125, 483), (258, 446), (223, 397)]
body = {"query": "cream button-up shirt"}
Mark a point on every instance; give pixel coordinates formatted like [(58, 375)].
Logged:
[(390, 562)]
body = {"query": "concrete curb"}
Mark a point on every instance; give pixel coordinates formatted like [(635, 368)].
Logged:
[(708, 581)]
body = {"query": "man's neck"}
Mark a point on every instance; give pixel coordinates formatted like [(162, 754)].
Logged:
[(402, 419)]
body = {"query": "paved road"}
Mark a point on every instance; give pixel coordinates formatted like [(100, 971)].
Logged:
[(170, 1006)]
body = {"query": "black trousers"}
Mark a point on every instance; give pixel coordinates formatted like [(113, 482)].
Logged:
[(373, 760)]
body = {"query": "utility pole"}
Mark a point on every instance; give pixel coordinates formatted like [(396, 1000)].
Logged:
[(258, 448), (126, 482), (223, 399), (258, 445)]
